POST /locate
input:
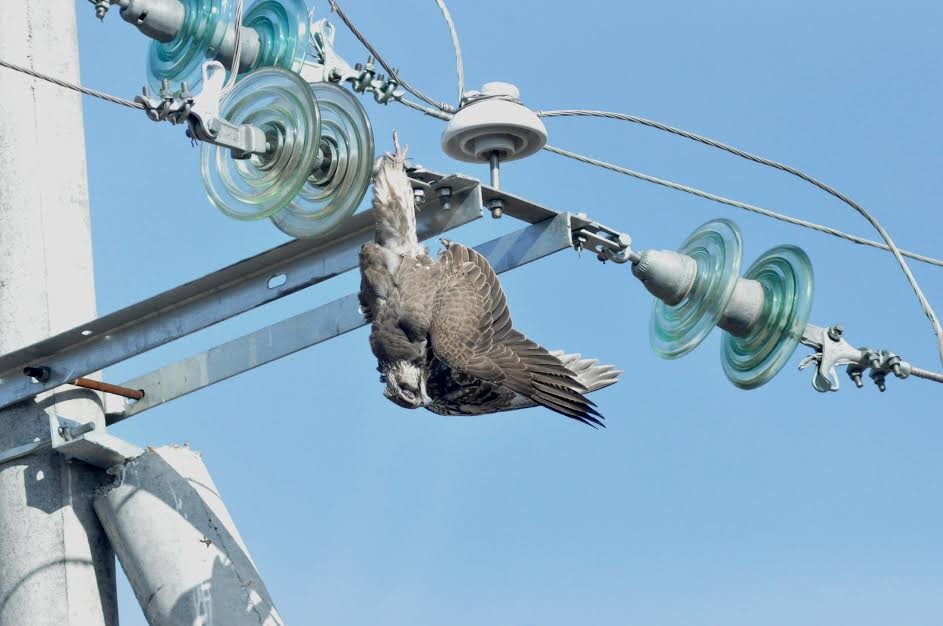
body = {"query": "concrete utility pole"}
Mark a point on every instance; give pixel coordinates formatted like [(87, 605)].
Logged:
[(56, 565), (179, 546)]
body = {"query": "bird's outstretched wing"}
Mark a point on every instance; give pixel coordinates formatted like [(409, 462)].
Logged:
[(471, 333)]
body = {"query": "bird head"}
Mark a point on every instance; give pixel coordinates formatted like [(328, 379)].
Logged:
[(405, 383)]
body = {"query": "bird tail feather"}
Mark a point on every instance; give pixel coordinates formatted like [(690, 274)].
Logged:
[(394, 205), (589, 372)]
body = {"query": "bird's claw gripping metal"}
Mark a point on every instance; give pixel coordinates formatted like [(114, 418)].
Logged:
[(201, 114), (833, 351), (607, 244)]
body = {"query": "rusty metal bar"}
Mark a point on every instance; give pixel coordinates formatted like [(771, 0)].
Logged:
[(96, 385)]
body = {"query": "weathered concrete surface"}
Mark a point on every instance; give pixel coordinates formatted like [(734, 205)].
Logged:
[(179, 546), (56, 566)]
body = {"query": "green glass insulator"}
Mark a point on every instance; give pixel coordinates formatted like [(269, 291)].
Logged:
[(717, 249), (282, 26), (283, 106), (341, 177), (785, 273), (182, 58)]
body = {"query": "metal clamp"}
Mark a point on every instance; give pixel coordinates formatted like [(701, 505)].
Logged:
[(833, 351), (329, 66), (201, 114), (607, 244)]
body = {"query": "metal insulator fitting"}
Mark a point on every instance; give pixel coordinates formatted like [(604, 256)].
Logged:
[(879, 377), (666, 274), (873, 359)]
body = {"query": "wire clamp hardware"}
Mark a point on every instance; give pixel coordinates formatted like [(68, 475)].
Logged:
[(607, 244), (101, 8), (329, 66), (831, 351), (201, 114)]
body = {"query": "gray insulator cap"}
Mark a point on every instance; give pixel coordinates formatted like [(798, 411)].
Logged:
[(249, 44), (158, 19), (744, 309), (668, 275)]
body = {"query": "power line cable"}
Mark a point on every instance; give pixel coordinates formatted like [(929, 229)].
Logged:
[(79, 88), (430, 111), (237, 47), (459, 62), (705, 195), (928, 310), (394, 74)]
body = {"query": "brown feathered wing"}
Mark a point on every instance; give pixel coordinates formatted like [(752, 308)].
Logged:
[(471, 333)]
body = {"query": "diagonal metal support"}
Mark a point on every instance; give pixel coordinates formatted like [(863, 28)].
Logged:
[(213, 298), (317, 325)]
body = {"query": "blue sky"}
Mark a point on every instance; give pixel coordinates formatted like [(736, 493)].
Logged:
[(700, 504)]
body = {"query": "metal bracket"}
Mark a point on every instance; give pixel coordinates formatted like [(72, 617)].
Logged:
[(607, 244), (86, 443)]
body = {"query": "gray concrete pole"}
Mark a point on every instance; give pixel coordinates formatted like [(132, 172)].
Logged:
[(179, 546), (56, 565)]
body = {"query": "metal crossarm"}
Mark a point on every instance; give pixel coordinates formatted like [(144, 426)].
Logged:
[(450, 201), (317, 325), (211, 299)]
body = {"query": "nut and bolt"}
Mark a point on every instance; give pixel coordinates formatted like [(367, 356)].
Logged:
[(70, 433), (38, 374), (894, 362), (835, 332), (879, 377), (419, 196), (445, 197), (856, 378), (496, 206)]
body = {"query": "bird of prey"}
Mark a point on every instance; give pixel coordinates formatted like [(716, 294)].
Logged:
[(441, 330)]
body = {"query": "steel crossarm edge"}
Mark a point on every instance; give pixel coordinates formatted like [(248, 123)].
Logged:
[(320, 324), (213, 298)]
